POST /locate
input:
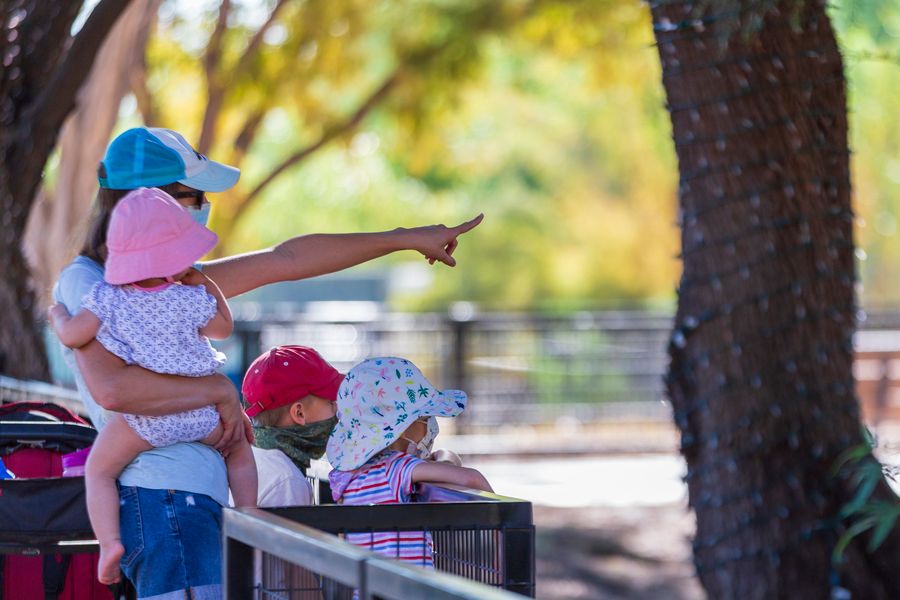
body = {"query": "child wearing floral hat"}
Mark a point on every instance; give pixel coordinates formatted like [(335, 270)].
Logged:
[(386, 425), (154, 310)]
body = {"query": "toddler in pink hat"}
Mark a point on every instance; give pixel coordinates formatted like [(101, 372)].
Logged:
[(157, 311)]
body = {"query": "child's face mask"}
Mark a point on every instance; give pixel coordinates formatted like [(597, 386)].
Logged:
[(422, 448)]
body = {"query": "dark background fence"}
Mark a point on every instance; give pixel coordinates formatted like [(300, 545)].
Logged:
[(479, 536), (530, 369), (516, 368)]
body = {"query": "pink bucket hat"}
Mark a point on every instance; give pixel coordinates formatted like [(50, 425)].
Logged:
[(151, 235)]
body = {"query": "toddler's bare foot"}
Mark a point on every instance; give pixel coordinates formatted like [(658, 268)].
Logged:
[(108, 566)]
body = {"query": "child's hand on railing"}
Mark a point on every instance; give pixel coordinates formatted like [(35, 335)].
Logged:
[(446, 456)]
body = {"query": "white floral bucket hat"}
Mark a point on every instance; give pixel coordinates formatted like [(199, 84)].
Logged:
[(378, 399)]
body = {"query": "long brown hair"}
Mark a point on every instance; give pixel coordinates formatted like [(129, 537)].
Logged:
[(98, 222)]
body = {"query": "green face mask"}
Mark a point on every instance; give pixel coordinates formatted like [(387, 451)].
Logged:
[(301, 443)]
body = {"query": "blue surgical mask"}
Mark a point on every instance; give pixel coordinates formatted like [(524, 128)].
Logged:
[(200, 215)]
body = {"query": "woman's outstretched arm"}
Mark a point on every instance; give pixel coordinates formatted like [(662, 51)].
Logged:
[(320, 253)]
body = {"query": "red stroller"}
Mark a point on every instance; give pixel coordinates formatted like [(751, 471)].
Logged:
[(47, 548)]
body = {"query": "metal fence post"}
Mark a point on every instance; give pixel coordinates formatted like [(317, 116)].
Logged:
[(250, 338), (362, 591), (518, 560), (459, 323), (237, 570)]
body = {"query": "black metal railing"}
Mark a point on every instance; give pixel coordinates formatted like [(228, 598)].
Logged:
[(517, 368), (481, 537), (268, 556)]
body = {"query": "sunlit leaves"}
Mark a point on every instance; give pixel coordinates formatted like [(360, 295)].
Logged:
[(869, 32), (573, 170)]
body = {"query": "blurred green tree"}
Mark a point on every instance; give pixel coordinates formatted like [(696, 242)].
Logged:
[(870, 39), (323, 65), (556, 133)]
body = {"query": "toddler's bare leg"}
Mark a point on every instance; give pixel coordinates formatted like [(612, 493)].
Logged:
[(242, 477), (116, 446)]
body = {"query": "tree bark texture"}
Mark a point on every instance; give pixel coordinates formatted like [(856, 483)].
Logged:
[(55, 226), (761, 352), (43, 67)]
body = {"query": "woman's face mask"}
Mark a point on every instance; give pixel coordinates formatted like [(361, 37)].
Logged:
[(200, 215), (198, 208)]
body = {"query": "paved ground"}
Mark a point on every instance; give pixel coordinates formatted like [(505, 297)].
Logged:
[(612, 522), (612, 527), (589, 481), (606, 553)]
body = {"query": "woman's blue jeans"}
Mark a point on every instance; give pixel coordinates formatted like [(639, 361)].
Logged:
[(172, 543)]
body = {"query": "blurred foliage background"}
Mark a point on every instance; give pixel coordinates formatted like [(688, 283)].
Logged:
[(869, 31), (545, 115)]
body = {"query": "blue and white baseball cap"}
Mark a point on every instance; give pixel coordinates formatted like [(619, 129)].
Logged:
[(152, 156)]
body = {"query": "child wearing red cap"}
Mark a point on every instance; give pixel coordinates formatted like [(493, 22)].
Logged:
[(156, 311), (290, 392)]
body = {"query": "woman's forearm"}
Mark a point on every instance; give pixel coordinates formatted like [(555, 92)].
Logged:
[(117, 386), (317, 254), (299, 258)]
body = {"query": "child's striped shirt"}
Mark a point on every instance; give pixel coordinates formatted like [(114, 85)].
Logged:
[(385, 479)]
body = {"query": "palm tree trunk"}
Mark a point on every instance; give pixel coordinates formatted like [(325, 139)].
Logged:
[(761, 354)]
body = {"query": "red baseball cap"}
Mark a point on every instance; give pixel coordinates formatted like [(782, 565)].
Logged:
[(286, 374)]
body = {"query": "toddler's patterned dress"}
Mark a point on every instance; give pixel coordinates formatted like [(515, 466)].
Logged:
[(159, 330)]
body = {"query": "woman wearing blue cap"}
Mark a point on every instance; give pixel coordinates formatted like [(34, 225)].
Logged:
[(171, 497)]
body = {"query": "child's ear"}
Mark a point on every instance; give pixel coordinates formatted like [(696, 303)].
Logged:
[(297, 414)]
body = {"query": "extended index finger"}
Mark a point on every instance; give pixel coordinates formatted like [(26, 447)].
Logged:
[(468, 225)]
